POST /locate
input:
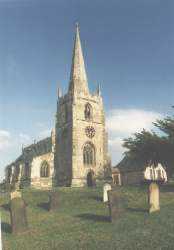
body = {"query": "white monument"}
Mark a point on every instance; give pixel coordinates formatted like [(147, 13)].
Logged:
[(106, 188), (155, 173), (154, 197)]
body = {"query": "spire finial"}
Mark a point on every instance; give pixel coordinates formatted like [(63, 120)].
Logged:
[(77, 25), (59, 92), (99, 89)]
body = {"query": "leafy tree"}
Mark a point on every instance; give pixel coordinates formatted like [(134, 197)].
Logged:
[(150, 147)]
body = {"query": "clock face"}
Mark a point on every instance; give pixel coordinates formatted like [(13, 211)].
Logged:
[(90, 131)]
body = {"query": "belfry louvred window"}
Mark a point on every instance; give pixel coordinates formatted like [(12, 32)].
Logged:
[(88, 112)]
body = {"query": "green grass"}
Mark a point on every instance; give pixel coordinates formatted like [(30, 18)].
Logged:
[(82, 222)]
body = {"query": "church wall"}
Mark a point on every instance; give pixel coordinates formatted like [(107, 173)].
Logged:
[(63, 160), (80, 138), (36, 180)]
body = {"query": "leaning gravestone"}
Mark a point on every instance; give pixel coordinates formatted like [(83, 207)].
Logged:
[(106, 188), (153, 197), (18, 213), (116, 205), (54, 200)]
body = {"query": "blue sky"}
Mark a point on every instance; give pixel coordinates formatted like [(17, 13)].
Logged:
[(128, 48)]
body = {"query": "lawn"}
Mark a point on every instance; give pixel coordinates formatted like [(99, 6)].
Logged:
[(82, 221)]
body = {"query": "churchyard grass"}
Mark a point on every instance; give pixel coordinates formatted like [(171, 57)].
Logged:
[(82, 221)]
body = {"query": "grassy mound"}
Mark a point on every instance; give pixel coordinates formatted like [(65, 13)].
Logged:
[(82, 221)]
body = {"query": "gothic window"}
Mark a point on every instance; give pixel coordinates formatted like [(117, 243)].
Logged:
[(88, 111), (89, 154), (45, 169)]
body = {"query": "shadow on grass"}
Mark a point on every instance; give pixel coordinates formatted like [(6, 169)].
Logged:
[(137, 210), (167, 188), (6, 207), (97, 198), (44, 205), (6, 228), (94, 217)]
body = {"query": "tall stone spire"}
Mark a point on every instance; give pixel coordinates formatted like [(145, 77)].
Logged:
[(78, 78)]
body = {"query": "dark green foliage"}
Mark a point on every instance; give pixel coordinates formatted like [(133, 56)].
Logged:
[(25, 181), (18, 215), (5, 186), (166, 126), (149, 147)]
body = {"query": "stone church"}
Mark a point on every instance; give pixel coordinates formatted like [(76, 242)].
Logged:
[(77, 149)]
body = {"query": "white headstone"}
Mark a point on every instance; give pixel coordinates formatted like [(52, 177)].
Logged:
[(106, 188), (154, 197), (157, 173)]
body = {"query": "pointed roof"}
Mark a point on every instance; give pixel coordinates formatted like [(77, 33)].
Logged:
[(78, 78)]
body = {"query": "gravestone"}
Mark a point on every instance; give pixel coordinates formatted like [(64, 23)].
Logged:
[(18, 213), (0, 235), (54, 200), (116, 205), (106, 188), (153, 197)]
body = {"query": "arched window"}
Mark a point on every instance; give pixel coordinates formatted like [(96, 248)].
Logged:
[(88, 111), (44, 169), (89, 154)]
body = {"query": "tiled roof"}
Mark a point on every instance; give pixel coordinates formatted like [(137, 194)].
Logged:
[(39, 148), (128, 164)]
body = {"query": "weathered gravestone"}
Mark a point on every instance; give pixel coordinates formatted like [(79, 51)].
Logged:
[(106, 188), (153, 197), (116, 205), (0, 235), (54, 200), (18, 213)]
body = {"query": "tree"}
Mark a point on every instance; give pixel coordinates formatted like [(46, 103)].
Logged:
[(147, 146)]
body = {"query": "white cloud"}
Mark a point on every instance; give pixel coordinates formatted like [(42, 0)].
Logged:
[(4, 140), (126, 121), (122, 123), (10, 147), (11, 144), (44, 130), (44, 133), (24, 138)]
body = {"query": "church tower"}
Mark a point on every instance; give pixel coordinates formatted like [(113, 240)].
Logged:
[(81, 139)]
